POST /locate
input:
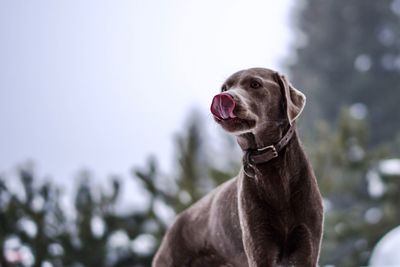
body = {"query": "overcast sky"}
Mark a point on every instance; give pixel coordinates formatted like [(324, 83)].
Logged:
[(103, 84)]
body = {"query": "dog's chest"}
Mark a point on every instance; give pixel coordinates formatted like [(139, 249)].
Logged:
[(271, 200)]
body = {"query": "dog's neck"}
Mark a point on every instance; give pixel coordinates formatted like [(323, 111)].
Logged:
[(268, 146), (270, 180), (265, 136)]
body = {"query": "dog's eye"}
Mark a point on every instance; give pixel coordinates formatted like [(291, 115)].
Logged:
[(255, 84)]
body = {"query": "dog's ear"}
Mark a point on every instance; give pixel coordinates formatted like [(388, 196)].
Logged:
[(294, 100)]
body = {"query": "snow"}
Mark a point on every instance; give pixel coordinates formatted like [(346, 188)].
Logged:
[(387, 167), (390, 167), (376, 187), (386, 252), (373, 215), (144, 244), (118, 239), (358, 111), (97, 226)]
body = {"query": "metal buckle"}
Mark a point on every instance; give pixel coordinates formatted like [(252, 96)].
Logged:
[(249, 164), (272, 147)]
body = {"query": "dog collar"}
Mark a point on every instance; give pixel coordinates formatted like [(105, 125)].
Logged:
[(256, 156)]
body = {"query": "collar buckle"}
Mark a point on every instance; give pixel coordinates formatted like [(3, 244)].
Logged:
[(272, 147), (264, 154), (253, 157)]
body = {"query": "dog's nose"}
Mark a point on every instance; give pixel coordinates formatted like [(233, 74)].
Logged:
[(222, 106)]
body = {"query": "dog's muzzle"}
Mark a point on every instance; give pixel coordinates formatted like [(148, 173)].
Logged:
[(222, 106)]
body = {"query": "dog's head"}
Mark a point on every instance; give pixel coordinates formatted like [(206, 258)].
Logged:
[(251, 98)]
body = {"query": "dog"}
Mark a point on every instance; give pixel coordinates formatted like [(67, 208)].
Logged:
[(271, 213)]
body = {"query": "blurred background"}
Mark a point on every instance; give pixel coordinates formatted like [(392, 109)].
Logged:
[(106, 132)]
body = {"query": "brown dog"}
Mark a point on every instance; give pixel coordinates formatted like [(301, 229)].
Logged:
[(271, 214)]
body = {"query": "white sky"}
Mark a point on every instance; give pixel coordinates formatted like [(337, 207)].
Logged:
[(103, 84)]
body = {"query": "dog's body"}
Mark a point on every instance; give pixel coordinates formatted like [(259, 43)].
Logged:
[(270, 214)]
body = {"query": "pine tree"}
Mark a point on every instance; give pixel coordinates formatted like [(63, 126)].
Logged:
[(349, 52), (355, 219)]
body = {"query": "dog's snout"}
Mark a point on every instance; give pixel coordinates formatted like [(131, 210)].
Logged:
[(222, 106)]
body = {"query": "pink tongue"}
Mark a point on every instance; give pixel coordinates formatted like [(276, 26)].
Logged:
[(222, 106)]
